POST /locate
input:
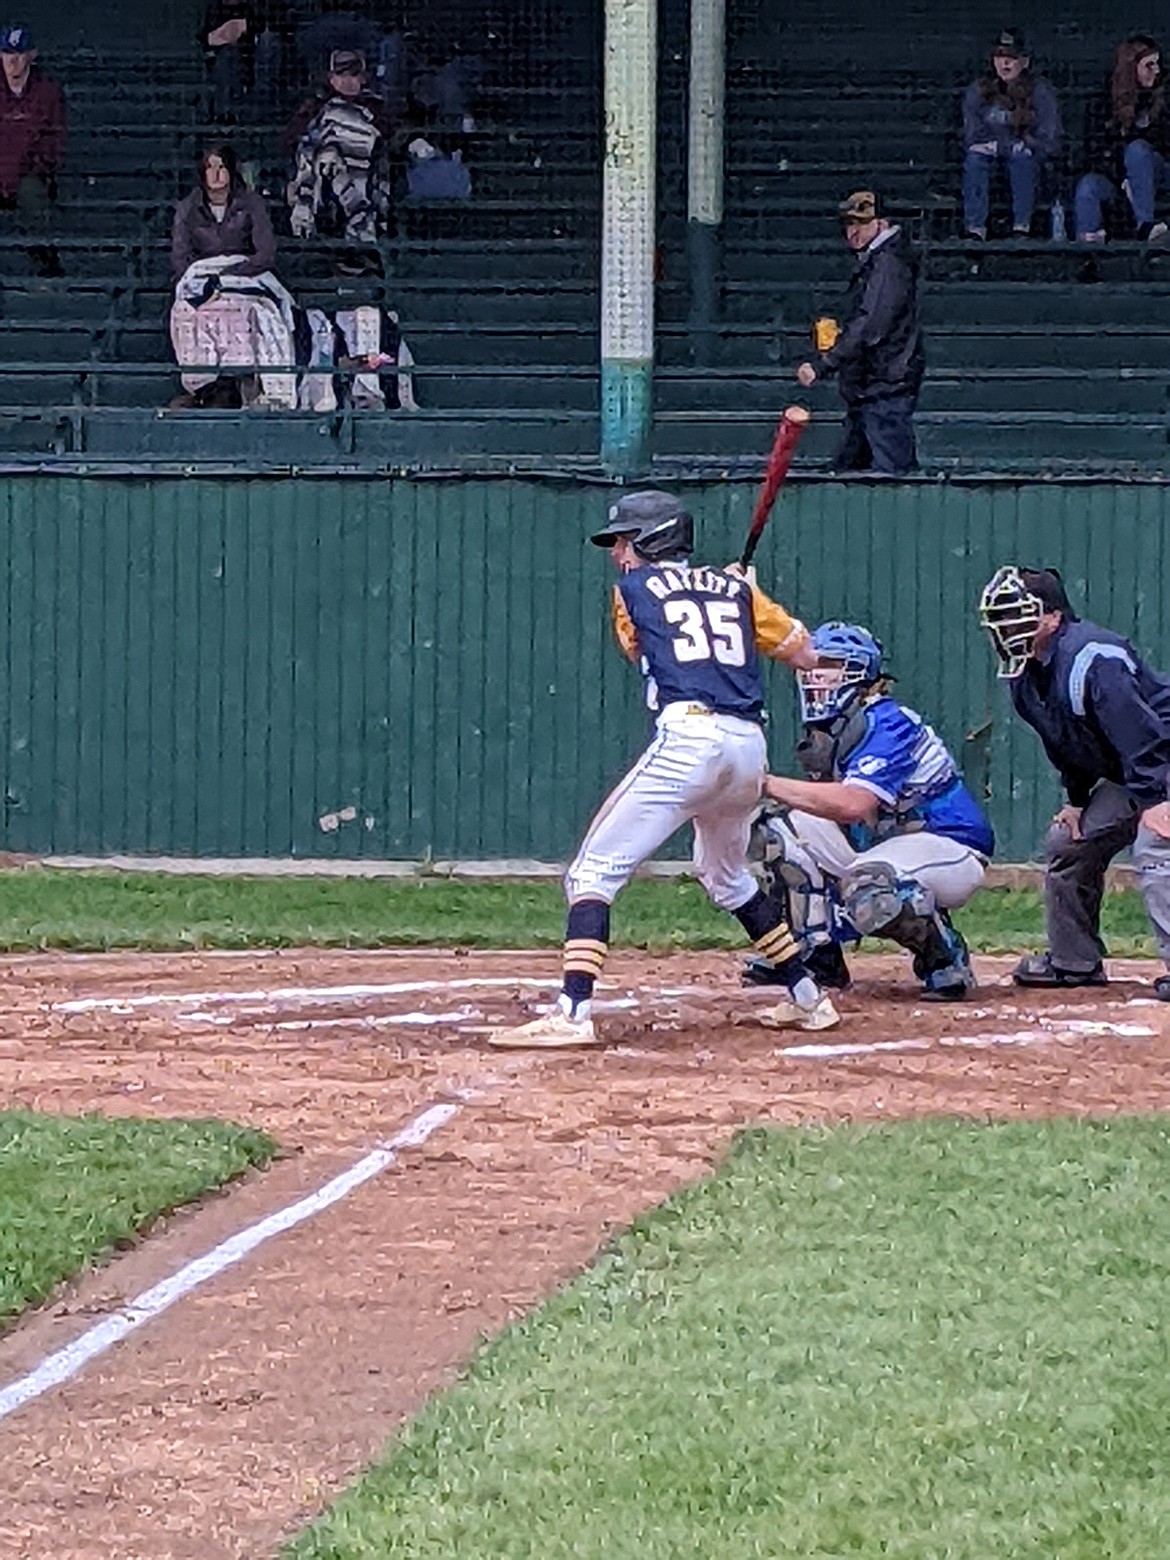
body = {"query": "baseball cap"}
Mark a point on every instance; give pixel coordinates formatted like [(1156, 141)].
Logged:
[(1048, 588), (16, 40), (1011, 42), (861, 206), (346, 62)]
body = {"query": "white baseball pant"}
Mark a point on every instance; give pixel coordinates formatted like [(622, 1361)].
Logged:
[(701, 768), (819, 849)]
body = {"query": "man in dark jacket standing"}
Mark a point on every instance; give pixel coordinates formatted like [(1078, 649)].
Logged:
[(1103, 716), (877, 354)]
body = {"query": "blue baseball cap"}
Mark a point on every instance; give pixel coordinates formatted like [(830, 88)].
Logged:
[(16, 40)]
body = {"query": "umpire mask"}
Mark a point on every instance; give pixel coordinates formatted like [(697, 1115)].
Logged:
[(1011, 608)]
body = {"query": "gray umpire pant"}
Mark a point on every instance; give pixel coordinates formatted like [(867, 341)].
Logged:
[(1074, 877)]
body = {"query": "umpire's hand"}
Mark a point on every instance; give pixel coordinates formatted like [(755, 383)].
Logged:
[(1069, 818)]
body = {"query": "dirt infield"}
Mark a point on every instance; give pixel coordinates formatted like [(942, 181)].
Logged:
[(219, 1428)]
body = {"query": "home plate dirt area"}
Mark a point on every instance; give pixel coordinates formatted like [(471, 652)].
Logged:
[(218, 1428)]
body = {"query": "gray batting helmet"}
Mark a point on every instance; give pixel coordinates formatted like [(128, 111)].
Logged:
[(657, 525)]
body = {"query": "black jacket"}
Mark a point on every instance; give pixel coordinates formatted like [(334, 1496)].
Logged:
[(1105, 141), (879, 351), (1101, 713)]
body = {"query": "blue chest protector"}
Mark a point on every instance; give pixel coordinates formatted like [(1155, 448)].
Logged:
[(696, 637), (904, 763)]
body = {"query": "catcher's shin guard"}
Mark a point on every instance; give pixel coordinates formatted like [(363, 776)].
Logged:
[(948, 981), (879, 905)]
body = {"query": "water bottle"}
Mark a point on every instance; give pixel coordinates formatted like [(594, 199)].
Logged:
[(1059, 231)]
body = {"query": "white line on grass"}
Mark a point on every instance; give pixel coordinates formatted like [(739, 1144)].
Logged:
[(65, 1363)]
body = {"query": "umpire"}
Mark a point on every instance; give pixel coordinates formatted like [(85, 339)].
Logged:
[(877, 355), (1103, 716)]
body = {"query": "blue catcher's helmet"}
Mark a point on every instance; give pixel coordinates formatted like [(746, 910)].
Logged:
[(849, 660)]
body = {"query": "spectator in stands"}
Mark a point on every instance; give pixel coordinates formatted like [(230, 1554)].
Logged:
[(340, 142), (229, 308), (32, 142), (877, 353), (249, 44), (221, 217), (1010, 116), (365, 27), (1127, 144), (452, 61)]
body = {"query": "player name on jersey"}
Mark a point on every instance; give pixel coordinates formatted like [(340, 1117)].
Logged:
[(686, 581)]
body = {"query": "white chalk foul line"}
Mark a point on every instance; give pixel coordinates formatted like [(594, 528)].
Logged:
[(272, 994), (65, 1363)]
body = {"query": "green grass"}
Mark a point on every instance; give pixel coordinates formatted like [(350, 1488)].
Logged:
[(98, 910), (1010, 920), (931, 1341), (73, 1189)]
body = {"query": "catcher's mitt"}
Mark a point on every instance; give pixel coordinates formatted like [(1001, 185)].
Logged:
[(814, 754)]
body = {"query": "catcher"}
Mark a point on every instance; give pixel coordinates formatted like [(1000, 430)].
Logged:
[(883, 839)]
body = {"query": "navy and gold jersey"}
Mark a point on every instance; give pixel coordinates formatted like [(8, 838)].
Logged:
[(697, 635)]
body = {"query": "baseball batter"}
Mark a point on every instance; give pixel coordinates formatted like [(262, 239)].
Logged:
[(697, 635), (884, 838)]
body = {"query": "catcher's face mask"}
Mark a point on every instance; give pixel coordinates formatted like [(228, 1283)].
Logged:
[(1012, 615), (827, 689)]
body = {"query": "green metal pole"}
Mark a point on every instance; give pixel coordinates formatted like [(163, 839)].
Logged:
[(627, 236), (705, 172)]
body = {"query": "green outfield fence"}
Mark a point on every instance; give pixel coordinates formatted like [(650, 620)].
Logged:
[(411, 668)]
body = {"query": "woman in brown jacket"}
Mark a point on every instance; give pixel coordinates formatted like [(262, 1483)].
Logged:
[(222, 217)]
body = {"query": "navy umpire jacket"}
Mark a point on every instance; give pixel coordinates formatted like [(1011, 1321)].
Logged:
[(1100, 711)]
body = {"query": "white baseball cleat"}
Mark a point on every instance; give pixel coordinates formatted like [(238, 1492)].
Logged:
[(790, 1015), (556, 1031)]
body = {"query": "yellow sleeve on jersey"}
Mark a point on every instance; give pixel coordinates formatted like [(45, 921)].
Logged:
[(777, 634), (623, 628)]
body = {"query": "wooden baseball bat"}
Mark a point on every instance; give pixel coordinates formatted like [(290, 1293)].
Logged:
[(788, 431)]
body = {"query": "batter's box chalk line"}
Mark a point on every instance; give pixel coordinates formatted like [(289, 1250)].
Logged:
[(65, 1363), (1047, 1032), (262, 1009)]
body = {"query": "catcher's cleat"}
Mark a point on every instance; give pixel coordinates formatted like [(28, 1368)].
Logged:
[(555, 1031), (790, 1015)]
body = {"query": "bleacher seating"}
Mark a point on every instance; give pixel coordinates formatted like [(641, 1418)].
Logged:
[(1041, 356)]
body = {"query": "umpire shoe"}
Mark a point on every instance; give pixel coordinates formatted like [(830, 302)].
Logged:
[(1037, 969), (790, 1015), (554, 1031)]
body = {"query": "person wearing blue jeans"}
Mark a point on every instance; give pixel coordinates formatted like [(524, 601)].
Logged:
[(978, 167), (1127, 145), (878, 437), (1010, 118)]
